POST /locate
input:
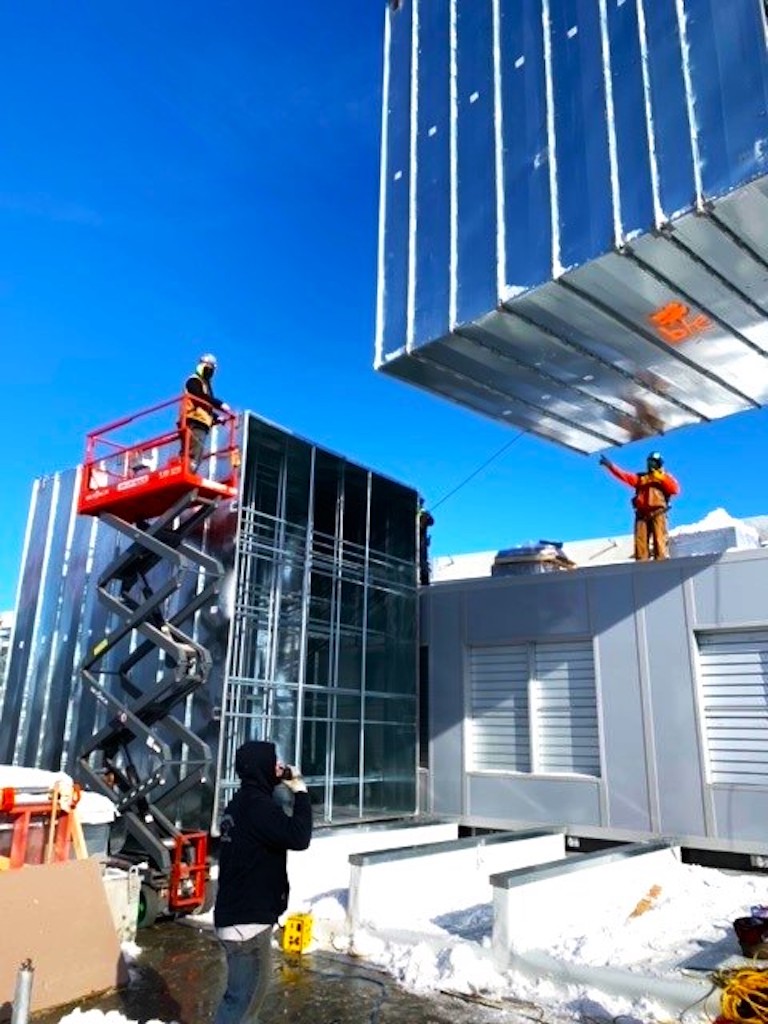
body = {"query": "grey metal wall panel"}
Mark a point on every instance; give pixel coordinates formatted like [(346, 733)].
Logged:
[(676, 744), (535, 801), (433, 177), (583, 135), (501, 612), (741, 814), (736, 596), (446, 702), (623, 721), (476, 167)]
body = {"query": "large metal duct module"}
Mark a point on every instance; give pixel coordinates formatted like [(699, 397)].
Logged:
[(574, 211)]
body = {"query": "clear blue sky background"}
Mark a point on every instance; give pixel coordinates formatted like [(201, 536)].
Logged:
[(178, 177)]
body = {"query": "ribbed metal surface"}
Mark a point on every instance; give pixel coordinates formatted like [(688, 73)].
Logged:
[(574, 211), (533, 708), (498, 713), (565, 709), (733, 670)]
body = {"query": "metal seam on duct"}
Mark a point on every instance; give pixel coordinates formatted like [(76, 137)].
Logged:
[(453, 300), (501, 227), (510, 396), (410, 329), (712, 215), (674, 286), (642, 31), (610, 118), (24, 555), (690, 103), (383, 175), (656, 342), (543, 429), (554, 199), (679, 243), (537, 370), (24, 709), (583, 350), (65, 568)]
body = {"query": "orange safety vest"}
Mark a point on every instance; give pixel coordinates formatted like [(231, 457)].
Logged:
[(196, 409)]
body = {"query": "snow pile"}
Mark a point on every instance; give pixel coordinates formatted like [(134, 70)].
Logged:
[(100, 1017), (684, 921), (717, 531), (717, 519)]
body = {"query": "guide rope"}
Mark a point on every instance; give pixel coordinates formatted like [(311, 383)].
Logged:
[(480, 468)]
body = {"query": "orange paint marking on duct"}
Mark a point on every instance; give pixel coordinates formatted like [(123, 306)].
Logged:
[(675, 322)]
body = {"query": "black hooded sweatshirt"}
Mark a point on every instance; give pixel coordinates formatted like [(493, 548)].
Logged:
[(255, 837)]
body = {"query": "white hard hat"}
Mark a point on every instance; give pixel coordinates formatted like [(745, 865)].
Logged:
[(209, 360)]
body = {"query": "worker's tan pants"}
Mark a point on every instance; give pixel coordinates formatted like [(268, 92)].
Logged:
[(651, 536)]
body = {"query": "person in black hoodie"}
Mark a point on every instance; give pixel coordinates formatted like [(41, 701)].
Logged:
[(253, 881)]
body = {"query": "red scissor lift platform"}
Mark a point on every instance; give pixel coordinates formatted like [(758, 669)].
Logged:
[(138, 467), (138, 477)]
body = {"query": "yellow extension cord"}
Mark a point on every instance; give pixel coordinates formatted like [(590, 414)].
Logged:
[(745, 993)]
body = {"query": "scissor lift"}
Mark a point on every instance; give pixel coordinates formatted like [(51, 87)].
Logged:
[(150, 493)]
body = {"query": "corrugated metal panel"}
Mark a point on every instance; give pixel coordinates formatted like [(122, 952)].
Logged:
[(499, 732), (733, 669), (576, 245), (565, 709)]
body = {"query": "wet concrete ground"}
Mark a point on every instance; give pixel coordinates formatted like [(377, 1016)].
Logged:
[(180, 974)]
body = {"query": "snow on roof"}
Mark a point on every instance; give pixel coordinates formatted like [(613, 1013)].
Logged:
[(751, 532)]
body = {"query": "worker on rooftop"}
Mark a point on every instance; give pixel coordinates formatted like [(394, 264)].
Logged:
[(653, 491), (425, 521), (199, 409)]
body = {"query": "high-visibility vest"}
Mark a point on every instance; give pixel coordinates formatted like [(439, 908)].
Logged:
[(194, 408)]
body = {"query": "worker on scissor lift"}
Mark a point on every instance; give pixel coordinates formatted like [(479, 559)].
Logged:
[(199, 408)]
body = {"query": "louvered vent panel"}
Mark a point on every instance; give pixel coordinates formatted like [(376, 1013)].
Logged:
[(499, 735), (734, 703), (565, 709)]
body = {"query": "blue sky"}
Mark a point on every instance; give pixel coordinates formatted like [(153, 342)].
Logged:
[(178, 178)]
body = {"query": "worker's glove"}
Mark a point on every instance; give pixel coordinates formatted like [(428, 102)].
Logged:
[(225, 407), (604, 461), (296, 783)]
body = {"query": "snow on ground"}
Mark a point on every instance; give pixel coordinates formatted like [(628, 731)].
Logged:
[(692, 909)]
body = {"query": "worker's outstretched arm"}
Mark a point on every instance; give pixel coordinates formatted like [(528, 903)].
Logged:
[(620, 474)]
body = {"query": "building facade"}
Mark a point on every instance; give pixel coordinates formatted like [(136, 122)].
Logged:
[(623, 702), (313, 638)]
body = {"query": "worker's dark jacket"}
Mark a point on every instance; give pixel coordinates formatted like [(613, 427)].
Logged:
[(199, 413), (255, 837)]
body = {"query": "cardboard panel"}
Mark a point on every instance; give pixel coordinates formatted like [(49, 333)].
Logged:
[(57, 916)]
